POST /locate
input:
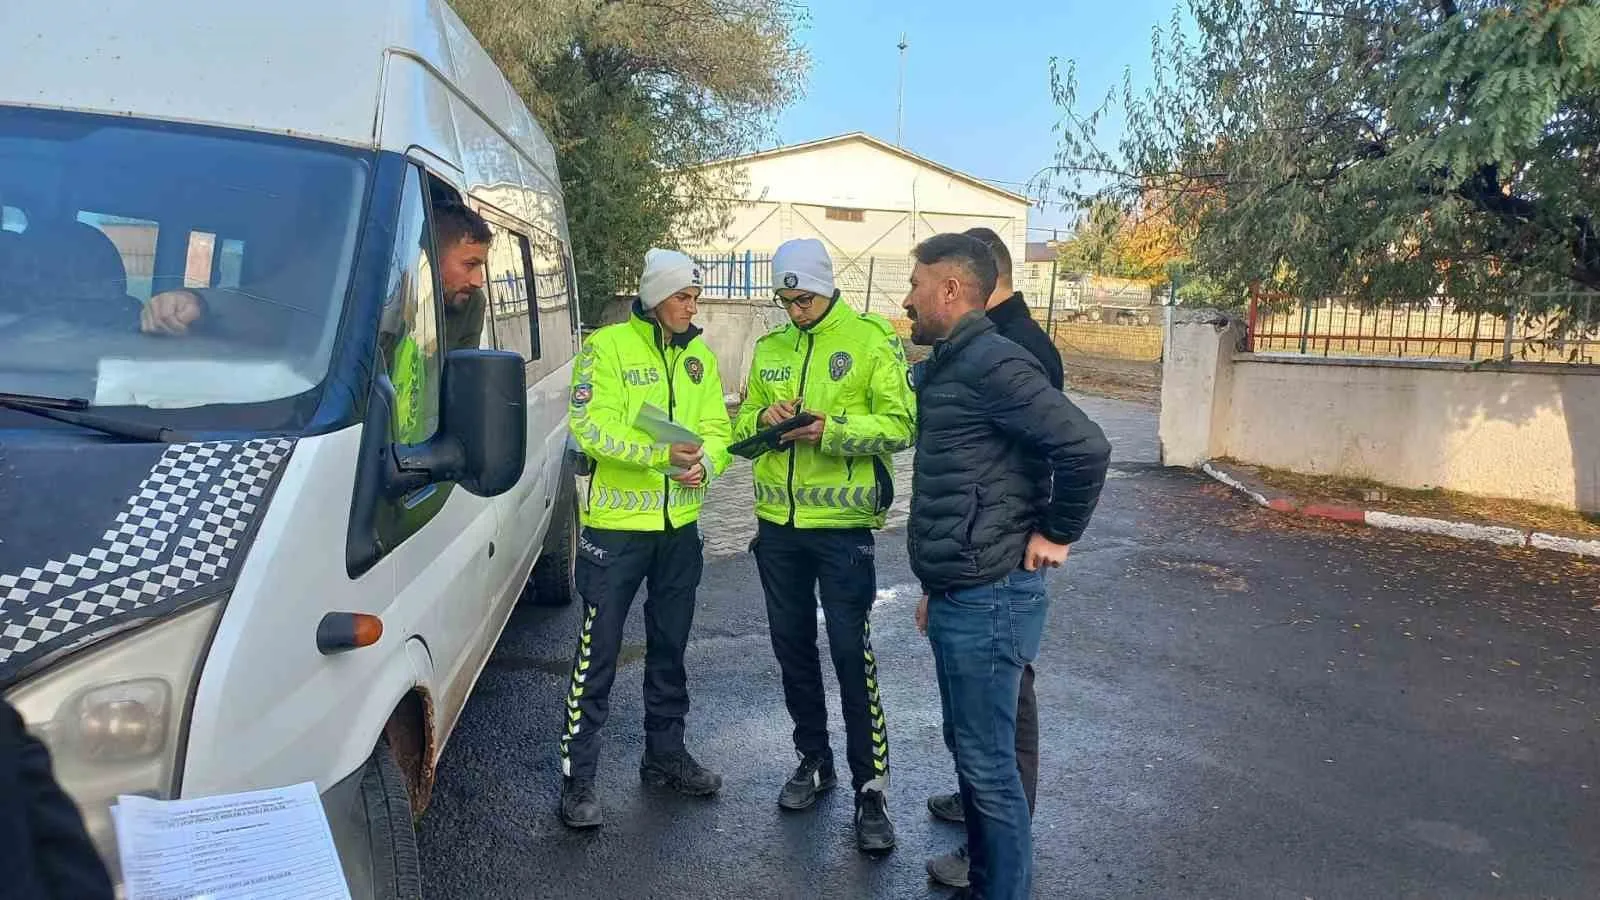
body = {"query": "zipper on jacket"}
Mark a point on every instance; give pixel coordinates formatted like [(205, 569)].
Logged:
[(672, 400), (794, 449)]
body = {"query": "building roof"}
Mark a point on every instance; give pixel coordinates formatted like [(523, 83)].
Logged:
[(874, 142), (1040, 251)]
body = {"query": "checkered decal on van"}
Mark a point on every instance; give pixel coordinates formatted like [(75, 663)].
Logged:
[(181, 529)]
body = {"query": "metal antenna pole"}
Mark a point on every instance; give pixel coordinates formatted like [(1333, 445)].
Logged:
[(900, 100)]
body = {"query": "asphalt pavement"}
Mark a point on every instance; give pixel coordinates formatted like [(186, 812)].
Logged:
[(1233, 704)]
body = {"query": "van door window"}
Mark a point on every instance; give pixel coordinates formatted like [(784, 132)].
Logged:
[(210, 262), (135, 240), (510, 290), (197, 264), (408, 336), (230, 262)]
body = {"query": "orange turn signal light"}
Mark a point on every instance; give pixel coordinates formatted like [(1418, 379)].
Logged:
[(341, 631)]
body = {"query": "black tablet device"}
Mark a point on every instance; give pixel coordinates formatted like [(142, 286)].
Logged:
[(766, 439)]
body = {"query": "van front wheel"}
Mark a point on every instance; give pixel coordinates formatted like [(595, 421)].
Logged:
[(391, 834), (554, 581)]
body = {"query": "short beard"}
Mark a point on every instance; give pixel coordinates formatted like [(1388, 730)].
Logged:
[(924, 331)]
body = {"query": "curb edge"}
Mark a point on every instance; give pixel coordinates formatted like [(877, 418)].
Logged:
[(1502, 535)]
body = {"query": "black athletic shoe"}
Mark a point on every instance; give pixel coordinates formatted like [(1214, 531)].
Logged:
[(680, 772), (814, 776), (874, 831), (579, 808), (947, 808)]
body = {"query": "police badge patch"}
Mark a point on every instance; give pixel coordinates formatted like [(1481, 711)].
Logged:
[(695, 368), (838, 365), (581, 394), (790, 280)]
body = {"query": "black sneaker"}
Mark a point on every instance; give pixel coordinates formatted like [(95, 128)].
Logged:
[(874, 831), (947, 807), (814, 776), (680, 772), (951, 869), (579, 808)]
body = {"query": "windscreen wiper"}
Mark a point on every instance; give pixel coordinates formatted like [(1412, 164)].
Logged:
[(45, 400), (72, 410)]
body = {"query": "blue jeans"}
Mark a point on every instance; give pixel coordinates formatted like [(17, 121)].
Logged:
[(982, 637)]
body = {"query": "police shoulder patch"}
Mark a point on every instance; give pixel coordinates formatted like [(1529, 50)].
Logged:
[(582, 393), (839, 365), (695, 368)]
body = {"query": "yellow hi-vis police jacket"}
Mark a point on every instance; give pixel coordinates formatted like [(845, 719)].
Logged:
[(620, 369), (850, 368)]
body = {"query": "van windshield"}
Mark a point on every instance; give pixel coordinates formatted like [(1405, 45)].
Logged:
[(170, 267)]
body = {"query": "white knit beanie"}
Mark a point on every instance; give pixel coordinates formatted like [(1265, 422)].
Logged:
[(802, 264), (666, 272)]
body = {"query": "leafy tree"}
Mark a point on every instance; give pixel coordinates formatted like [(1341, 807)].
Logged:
[(635, 96), (1153, 247), (1384, 150), (1095, 244), (1143, 243)]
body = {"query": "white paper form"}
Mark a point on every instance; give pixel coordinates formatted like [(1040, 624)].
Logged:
[(262, 844), (654, 421)]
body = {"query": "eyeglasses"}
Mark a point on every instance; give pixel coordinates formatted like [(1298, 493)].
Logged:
[(803, 301)]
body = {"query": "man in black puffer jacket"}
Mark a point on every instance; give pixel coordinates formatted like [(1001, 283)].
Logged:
[(45, 851), (1008, 472)]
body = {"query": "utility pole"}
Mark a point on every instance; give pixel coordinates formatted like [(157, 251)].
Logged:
[(900, 99)]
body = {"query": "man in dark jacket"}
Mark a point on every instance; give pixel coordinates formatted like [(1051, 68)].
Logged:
[(45, 852), (1008, 472), (1012, 319), (1010, 314)]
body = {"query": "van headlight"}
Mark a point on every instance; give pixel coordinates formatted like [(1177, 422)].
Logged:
[(113, 717)]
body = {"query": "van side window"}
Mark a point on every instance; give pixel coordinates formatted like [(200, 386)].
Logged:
[(197, 262), (510, 290), (135, 240), (408, 332), (552, 279), (230, 262), (212, 262)]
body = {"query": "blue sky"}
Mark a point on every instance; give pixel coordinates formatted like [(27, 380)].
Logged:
[(977, 92)]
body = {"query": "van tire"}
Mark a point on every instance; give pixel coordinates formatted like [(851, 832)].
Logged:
[(554, 581), (391, 832)]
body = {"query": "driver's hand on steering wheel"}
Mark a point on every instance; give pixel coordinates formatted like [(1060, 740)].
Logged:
[(170, 312)]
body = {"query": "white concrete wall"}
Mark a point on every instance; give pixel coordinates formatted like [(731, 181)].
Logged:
[(1526, 433)]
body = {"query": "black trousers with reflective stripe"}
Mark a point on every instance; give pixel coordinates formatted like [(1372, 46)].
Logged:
[(611, 567), (794, 564)]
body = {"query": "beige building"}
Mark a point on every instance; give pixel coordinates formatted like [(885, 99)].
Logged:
[(868, 201)]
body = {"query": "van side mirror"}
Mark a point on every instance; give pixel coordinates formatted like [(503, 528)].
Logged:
[(482, 440)]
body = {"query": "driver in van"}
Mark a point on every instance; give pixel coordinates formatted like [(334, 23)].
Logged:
[(463, 239)]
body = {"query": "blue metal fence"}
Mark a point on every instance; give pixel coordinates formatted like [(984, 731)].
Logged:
[(736, 276)]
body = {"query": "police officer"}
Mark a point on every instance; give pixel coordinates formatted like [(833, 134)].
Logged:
[(641, 524), (818, 501)]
